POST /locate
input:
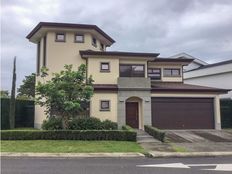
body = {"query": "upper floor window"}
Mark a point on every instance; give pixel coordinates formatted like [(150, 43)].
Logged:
[(131, 70), (172, 72), (105, 66), (60, 37), (94, 41), (79, 38), (154, 73), (102, 46)]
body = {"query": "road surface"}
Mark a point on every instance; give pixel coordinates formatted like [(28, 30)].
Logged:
[(29, 165)]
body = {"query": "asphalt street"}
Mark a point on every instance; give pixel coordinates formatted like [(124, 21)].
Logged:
[(29, 165)]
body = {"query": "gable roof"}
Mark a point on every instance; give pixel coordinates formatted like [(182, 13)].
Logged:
[(68, 25), (185, 55)]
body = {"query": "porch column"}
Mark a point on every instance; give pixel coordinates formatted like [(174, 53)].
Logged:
[(217, 113)]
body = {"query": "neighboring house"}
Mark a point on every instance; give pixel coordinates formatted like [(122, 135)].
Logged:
[(129, 88), (196, 63), (218, 75)]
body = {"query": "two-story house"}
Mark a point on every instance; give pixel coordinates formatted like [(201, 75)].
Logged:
[(129, 87)]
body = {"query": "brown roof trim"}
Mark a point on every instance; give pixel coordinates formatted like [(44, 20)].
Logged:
[(182, 87), (117, 53), (189, 90), (186, 60), (68, 25), (103, 87)]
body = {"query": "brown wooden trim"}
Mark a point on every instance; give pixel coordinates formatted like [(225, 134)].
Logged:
[(45, 51), (60, 33), (118, 53), (78, 34), (38, 58), (184, 60)]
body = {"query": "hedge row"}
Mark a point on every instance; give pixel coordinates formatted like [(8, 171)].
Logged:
[(155, 132), (118, 135)]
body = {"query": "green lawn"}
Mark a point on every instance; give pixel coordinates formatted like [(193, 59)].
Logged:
[(69, 146)]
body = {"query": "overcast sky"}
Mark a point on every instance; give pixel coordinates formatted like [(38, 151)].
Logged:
[(201, 28)]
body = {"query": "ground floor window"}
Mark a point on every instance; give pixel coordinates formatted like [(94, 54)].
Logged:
[(104, 105)]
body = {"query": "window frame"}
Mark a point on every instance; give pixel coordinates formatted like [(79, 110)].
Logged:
[(131, 69), (104, 70), (172, 75), (60, 33), (160, 73), (104, 109), (78, 34)]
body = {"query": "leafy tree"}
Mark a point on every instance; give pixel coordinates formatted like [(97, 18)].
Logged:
[(63, 94), (27, 89), (12, 98), (4, 94)]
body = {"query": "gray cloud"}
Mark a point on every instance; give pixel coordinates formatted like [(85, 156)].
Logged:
[(201, 28)]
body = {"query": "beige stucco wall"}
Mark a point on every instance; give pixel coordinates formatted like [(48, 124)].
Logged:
[(95, 106), (103, 77), (168, 79), (217, 114)]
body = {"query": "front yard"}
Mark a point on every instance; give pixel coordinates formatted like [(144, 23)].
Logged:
[(69, 146)]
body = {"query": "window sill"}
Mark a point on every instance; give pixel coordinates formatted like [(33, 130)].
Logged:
[(105, 71), (59, 40), (79, 41), (104, 110), (173, 76)]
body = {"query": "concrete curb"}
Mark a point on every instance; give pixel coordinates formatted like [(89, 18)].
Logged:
[(73, 155), (157, 154)]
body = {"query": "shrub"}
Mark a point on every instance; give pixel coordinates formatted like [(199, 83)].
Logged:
[(85, 123), (155, 132), (128, 128), (109, 125), (118, 135), (52, 123)]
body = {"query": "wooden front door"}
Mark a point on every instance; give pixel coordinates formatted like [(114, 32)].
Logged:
[(132, 114)]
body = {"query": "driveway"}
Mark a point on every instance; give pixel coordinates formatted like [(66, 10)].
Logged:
[(201, 140)]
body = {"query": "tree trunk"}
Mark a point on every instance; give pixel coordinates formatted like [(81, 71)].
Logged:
[(12, 98), (65, 122)]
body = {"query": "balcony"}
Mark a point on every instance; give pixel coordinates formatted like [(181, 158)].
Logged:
[(134, 83)]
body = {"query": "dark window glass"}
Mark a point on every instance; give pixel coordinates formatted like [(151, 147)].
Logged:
[(79, 38), (60, 37), (171, 72), (132, 71), (38, 58), (154, 73), (105, 105), (105, 66), (102, 47), (94, 42)]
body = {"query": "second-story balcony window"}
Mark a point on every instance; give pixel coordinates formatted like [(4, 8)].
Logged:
[(172, 72), (154, 73), (94, 42), (127, 70)]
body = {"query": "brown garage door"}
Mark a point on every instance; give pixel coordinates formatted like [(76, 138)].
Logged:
[(183, 113)]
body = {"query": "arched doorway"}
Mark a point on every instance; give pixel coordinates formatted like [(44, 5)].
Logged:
[(133, 112)]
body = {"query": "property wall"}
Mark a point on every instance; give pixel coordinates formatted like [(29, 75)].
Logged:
[(95, 106), (217, 115), (167, 79), (103, 77), (223, 80)]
